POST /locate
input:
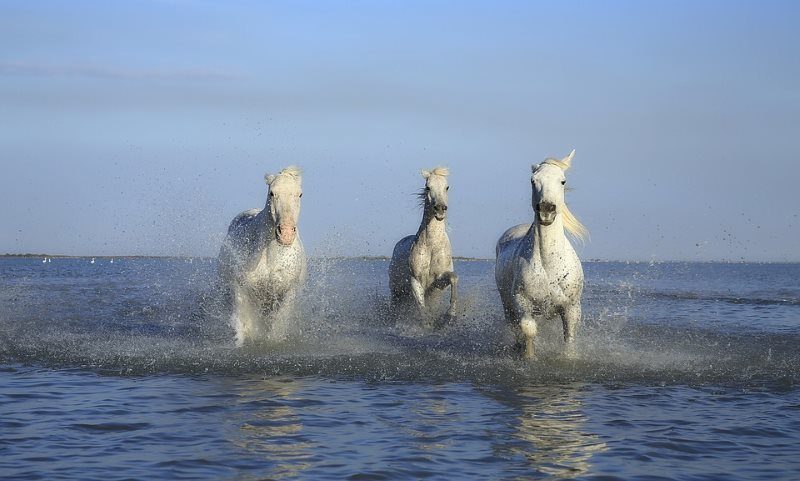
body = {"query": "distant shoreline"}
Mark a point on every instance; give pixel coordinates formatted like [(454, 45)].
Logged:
[(384, 258), (60, 256)]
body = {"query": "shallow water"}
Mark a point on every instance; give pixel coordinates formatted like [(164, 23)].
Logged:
[(128, 370)]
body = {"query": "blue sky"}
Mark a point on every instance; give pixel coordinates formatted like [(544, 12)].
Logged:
[(144, 127)]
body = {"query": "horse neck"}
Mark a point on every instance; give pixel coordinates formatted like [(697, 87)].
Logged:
[(430, 230), (266, 226), (548, 241)]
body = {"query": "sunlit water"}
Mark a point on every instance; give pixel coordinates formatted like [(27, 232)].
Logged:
[(129, 371)]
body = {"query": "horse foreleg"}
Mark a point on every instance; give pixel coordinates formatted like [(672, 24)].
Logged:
[(529, 329), (453, 294), (449, 279), (281, 313), (243, 318), (571, 317), (418, 292), (527, 324)]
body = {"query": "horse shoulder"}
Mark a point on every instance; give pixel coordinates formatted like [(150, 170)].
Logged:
[(419, 259)]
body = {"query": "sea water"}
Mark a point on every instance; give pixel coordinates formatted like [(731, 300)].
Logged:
[(128, 370)]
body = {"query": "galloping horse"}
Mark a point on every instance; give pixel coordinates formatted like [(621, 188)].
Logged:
[(537, 271), (262, 258), (422, 264)]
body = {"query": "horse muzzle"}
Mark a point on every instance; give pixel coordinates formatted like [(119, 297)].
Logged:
[(440, 212), (546, 213), (285, 234)]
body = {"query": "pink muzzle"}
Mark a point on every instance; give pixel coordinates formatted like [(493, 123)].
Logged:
[(285, 233)]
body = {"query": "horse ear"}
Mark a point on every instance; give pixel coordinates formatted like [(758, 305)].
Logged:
[(568, 159), (533, 168), (425, 173), (268, 178)]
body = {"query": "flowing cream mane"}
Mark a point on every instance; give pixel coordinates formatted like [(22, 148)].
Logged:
[(292, 171), (571, 223), (443, 171)]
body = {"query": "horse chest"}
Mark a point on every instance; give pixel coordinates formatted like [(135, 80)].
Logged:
[(538, 283), (427, 266), (274, 271)]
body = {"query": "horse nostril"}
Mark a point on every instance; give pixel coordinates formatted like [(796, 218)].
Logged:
[(445, 207)]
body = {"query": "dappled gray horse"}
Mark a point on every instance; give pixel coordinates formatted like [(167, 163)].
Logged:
[(538, 273), (422, 264), (262, 258)]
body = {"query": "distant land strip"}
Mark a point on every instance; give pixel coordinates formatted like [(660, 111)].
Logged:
[(60, 256), (387, 258)]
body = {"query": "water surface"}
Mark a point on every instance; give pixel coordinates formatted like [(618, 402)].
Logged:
[(127, 370)]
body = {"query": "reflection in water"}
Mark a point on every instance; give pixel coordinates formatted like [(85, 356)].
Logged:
[(424, 423), (267, 427), (549, 431)]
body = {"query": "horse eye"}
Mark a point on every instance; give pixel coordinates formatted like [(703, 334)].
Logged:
[(447, 188), (427, 189), (301, 194), (563, 182), (272, 194)]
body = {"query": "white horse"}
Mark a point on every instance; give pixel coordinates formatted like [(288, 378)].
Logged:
[(537, 271), (262, 258), (422, 264)]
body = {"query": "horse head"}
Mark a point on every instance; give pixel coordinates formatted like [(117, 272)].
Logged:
[(549, 183), (285, 191), (434, 195)]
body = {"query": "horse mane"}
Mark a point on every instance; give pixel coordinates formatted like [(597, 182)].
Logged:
[(422, 196), (573, 226), (555, 162), (443, 171), (292, 171)]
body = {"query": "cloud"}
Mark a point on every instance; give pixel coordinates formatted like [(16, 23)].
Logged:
[(21, 69)]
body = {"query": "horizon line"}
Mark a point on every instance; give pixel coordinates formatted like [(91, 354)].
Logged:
[(381, 257)]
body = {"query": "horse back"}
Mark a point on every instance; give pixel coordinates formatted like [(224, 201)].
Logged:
[(242, 219), (238, 243), (400, 268), (512, 234)]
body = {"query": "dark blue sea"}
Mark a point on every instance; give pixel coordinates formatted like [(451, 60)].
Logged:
[(128, 370)]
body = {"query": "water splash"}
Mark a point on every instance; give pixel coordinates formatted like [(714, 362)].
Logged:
[(162, 316)]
